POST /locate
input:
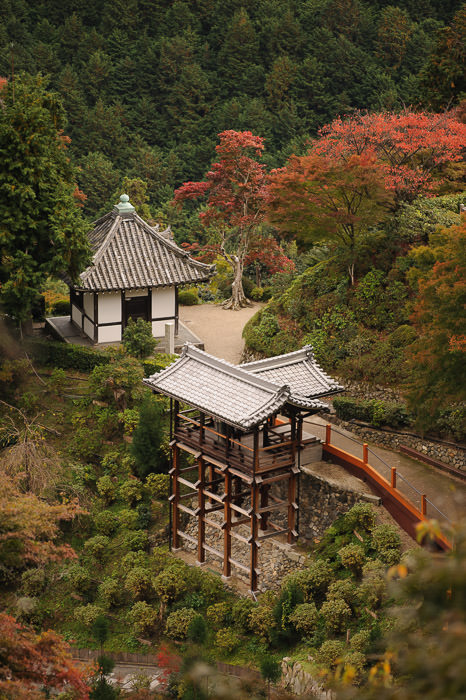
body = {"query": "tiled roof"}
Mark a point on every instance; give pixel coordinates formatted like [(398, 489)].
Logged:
[(222, 390), (130, 254), (298, 370)]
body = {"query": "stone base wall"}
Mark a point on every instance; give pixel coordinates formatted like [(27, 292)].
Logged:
[(296, 681), (449, 454)]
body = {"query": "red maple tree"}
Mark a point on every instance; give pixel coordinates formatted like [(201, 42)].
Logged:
[(265, 254), (29, 660), (411, 144), (234, 191)]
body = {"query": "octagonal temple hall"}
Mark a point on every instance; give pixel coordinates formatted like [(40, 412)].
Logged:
[(242, 427), (135, 273)]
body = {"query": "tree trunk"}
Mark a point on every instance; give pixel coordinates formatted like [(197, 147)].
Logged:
[(238, 298)]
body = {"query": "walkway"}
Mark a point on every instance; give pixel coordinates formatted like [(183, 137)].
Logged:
[(220, 330)]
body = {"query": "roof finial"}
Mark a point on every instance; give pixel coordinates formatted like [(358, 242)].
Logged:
[(124, 206)]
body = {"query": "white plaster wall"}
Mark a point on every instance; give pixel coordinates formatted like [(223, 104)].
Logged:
[(109, 309), (158, 329), (163, 303), (109, 334), (88, 328), (89, 304), (76, 315), (136, 293)]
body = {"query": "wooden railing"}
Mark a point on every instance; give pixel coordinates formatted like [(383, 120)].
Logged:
[(406, 514), (237, 453)]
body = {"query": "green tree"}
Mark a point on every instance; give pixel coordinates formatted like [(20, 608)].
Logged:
[(138, 339), (146, 447), (270, 671), (42, 231)]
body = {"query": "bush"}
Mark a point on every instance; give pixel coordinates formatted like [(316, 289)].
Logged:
[(197, 630), (33, 581), (144, 516), (227, 639), (386, 541), (119, 383), (143, 618), (354, 661), (109, 591), (97, 547), (361, 641), (106, 488), (178, 623), (360, 516), (79, 578), (128, 519), (373, 587), (138, 339), (130, 491), (138, 582), (256, 293), (65, 355), (60, 308), (188, 297), (262, 622), (170, 584), (105, 522), (336, 614), (87, 614), (133, 559), (330, 653), (218, 614), (136, 540), (158, 486), (240, 613), (209, 585), (343, 589), (157, 363), (372, 411), (314, 580), (147, 446), (352, 557), (305, 618)]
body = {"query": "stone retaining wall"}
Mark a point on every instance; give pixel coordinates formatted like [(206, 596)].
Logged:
[(454, 456), (298, 682)]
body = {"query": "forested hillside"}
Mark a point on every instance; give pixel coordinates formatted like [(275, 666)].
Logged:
[(147, 86)]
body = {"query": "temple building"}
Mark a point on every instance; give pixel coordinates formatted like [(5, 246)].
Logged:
[(237, 443), (135, 273)]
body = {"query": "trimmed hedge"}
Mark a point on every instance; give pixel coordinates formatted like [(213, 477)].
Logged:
[(372, 411), (157, 363), (58, 354)]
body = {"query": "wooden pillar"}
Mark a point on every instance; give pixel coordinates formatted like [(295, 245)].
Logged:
[(176, 497), (201, 428), (264, 502), (176, 410), (291, 507), (328, 433), (253, 540), (227, 527), (393, 479), (201, 510), (299, 442), (365, 453)]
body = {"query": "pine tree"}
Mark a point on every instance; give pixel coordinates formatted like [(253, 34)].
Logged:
[(146, 447)]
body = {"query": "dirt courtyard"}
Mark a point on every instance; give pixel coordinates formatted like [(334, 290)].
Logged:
[(219, 330)]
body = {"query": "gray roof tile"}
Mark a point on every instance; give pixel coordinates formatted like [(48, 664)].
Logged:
[(130, 254)]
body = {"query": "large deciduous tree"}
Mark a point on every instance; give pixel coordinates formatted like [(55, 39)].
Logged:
[(411, 144), (41, 228), (234, 191), (319, 198)]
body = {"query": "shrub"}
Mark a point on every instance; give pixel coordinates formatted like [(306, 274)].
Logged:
[(336, 614), (136, 540), (133, 559), (361, 516), (354, 661), (105, 522), (79, 578), (109, 591), (147, 447), (402, 336), (57, 380), (314, 580), (60, 308), (87, 614), (330, 653), (188, 297), (197, 630), (106, 488), (343, 589), (305, 618), (157, 363), (138, 582), (372, 411), (178, 623), (208, 584), (240, 613), (361, 641), (218, 614), (143, 618), (33, 581), (97, 546), (386, 541), (262, 622), (256, 293), (128, 518), (138, 339), (170, 584), (227, 639), (130, 491), (144, 518), (119, 382), (372, 589), (158, 486), (65, 355), (352, 557)]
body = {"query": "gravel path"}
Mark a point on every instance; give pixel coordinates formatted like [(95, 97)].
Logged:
[(219, 330)]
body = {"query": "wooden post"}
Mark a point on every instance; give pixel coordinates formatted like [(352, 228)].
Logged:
[(423, 504), (264, 502), (176, 497), (201, 428), (291, 508), (256, 450), (365, 453), (176, 420), (253, 557), (201, 514), (393, 480), (328, 433), (227, 527)]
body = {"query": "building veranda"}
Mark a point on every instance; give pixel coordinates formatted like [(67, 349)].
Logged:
[(135, 273), (236, 435)]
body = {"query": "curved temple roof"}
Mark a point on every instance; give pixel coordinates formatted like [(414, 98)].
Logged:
[(130, 254), (225, 391), (297, 369)]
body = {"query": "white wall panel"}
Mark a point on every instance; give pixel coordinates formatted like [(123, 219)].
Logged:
[(109, 334), (163, 303), (89, 304), (89, 328), (76, 315), (110, 308)]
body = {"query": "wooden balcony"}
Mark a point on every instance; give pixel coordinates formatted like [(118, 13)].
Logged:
[(236, 450)]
